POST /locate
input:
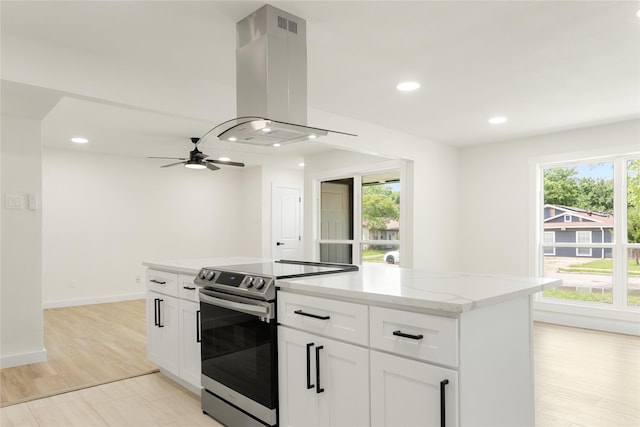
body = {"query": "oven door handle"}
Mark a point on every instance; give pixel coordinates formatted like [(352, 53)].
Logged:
[(253, 309)]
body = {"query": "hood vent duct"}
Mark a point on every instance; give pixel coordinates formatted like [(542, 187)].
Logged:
[(271, 81)]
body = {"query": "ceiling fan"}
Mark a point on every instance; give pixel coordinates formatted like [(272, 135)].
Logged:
[(198, 160)]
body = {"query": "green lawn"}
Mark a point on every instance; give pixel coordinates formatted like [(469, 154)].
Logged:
[(632, 300), (603, 266)]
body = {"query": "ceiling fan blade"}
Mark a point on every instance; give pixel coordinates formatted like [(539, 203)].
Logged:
[(168, 158), (220, 162), (172, 164), (212, 167)]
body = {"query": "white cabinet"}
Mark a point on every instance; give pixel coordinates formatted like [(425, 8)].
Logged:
[(408, 393), (163, 331), (190, 342), (323, 382), (173, 325)]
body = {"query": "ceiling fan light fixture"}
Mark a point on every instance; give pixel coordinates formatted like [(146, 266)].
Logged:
[(195, 164)]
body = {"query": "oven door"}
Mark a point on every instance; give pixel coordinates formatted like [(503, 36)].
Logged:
[(239, 359)]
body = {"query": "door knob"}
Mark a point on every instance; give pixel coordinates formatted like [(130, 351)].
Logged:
[(279, 243)]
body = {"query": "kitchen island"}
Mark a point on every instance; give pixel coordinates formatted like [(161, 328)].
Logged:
[(382, 346), (387, 346)]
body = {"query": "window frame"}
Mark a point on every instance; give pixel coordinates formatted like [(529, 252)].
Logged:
[(357, 172), (618, 316), (589, 252)]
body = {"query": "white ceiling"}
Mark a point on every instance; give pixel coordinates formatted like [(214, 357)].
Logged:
[(546, 65)]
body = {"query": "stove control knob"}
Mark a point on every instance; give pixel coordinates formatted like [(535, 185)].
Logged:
[(259, 282), (250, 281), (203, 274), (210, 275)]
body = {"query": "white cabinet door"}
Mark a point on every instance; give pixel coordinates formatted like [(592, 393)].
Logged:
[(163, 331), (190, 342), (323, 382), (408, 393)]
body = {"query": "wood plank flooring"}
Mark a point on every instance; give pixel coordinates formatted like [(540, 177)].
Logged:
[(586, 378), (146, 401), (86, 345)]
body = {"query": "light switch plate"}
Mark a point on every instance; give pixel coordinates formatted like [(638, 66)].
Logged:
[(14, 202)]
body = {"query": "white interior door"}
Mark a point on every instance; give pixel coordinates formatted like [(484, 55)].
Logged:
[(286, 229)]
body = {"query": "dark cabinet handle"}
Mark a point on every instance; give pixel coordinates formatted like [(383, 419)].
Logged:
[(160, 325), (315, 316), (443, 405), (402, 334), (309, 385), (198, 337), (158, 282), (319, 389), (190, 288), (155, 312)]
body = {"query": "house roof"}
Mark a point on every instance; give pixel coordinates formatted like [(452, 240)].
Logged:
[(586, 218)]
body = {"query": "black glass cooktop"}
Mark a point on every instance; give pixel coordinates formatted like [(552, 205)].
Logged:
[(285, 269)]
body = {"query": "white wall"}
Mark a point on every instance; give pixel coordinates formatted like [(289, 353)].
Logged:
[(104, 215), (21, 333), (494, 193)]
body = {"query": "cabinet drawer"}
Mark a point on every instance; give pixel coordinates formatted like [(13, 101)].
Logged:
[(186, 288), (163, 282), (335, 319), (417, 335)]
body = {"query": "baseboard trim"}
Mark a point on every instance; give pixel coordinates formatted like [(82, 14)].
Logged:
[(23, 359), (94, 300), (620, 326)]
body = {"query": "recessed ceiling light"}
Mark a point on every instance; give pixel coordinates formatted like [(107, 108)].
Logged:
[(497, 120), (301, 164), (224, 159), (79, 140), (408, 86), (232, 138), (276, 145)]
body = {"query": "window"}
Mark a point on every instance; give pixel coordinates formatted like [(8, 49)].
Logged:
[(549, 238), (597, 252), (360, 218), (583, 237)]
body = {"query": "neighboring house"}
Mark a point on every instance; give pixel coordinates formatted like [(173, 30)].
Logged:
[(565, 224), (392, 232)]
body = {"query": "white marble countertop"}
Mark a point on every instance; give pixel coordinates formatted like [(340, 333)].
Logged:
[(446, 292), (192, 266), (383, 284)]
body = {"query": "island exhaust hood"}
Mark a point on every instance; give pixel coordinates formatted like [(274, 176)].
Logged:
[(271, 81)]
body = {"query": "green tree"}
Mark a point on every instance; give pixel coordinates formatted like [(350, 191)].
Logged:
[(595, 194), (560, 186), (380, 204)]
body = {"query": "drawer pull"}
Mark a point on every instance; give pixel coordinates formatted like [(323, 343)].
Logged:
[(443, 405), (158, 282), (309, 385), (319, 389), (190, 288), (315, 316), (403, 335)]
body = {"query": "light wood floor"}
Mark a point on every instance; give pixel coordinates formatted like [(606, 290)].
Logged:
[(146, 401), (582, 377), (86, 345), (586, 378)]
